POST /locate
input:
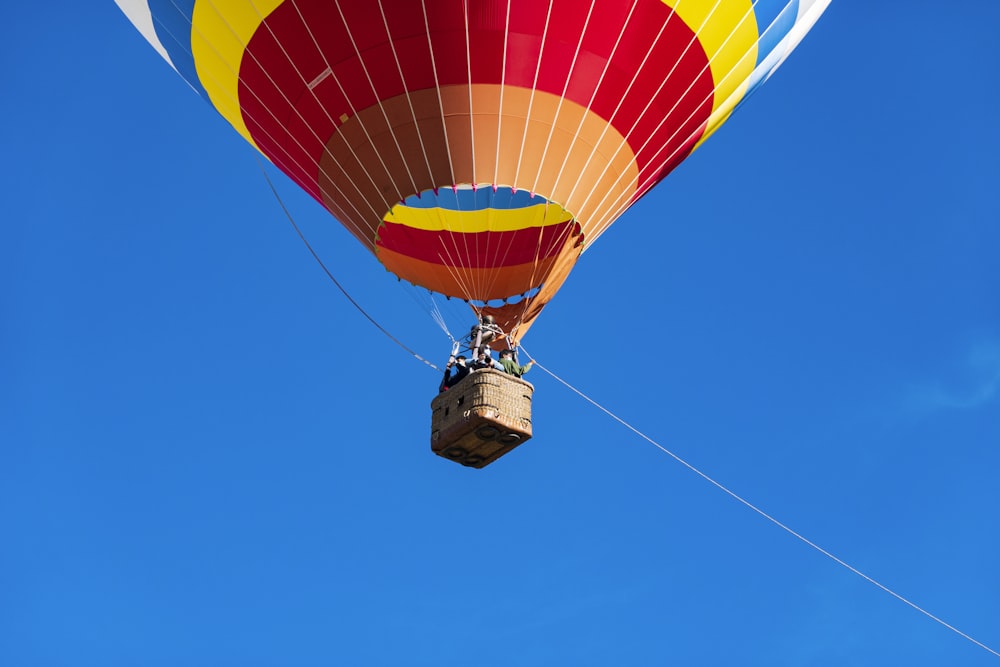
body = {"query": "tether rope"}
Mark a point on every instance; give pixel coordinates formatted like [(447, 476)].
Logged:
[(642, 435), (627, 425), (759, 511)]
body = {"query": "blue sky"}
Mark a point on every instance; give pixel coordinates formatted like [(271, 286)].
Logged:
[(209, 457)]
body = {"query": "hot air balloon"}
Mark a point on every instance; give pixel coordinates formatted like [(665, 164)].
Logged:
[(476, 147)]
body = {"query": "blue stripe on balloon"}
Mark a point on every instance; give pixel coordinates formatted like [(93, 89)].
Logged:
[(774, 31), (775, 19), (172, 21), (480, 199)]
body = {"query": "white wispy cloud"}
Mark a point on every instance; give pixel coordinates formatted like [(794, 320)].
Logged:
[(979, 385)]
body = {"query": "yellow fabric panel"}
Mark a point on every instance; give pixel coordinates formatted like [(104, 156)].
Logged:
[(220, 32), (728, 33), (725, 106), (487, 220)]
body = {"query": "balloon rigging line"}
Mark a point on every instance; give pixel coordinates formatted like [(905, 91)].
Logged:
[(619, 205), (713, 121), (627, 425), (353, 110), (603, 219), (290, 159), (437, 89), (608, 216), (759, 511), (479, 281), (453, 265), (381, 105), (738, 98), (298, 113), (363, 126), (431, 306), (455, 268), (588, 399), (621, 102), (561, 238), (435, 311), (600, 228), (484, 282), (624, 96), (531, 98), (503, 86), (366, 237), (590, 104), (438, 317), (562, 98), (330, 275), (468, 69), (350, 104), (406, 88), (534, 274)]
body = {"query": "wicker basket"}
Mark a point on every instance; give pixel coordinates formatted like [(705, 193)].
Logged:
[(481, 418)]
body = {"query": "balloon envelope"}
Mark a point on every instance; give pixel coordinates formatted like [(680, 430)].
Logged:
[(476, 147)]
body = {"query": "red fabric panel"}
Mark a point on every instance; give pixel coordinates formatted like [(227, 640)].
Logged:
[(476, 250)]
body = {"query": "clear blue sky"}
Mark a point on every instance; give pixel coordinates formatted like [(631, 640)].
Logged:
[(208, 457)]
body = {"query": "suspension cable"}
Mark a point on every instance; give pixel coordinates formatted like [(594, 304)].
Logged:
[(331, 276), (627, 425), (759, 511)]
